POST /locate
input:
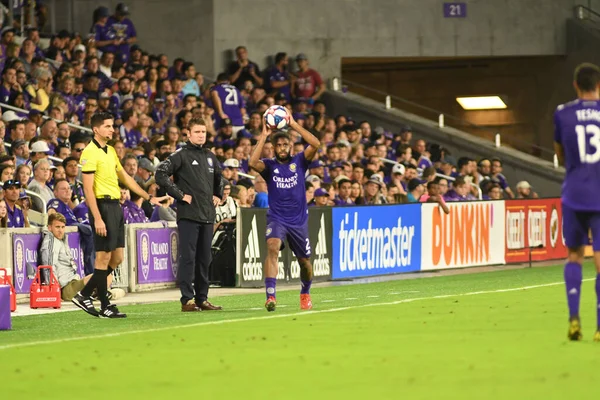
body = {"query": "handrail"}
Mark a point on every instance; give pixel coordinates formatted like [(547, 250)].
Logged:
[(441, 114), (578, 11), (81, 128), (447, 177)]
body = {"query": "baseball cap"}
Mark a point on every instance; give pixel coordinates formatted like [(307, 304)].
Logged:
[(159, 100), (231, 163), (301, 56), (11, 183), (523, 185), (343, 142), (23, 195), (341, 179), (40, 147), (80, 47), (413, 184), (103, 12), (104, 95), (146, 164), (312, 178), (398, 169), (9, 116), (406, 128), (135, 47), (34, 113), (18, 143), (375, 179), (335, 165), (160, 143), (280, 96), (316, 164), (227, 122), (122, 9), (7, 29), (320, 192)]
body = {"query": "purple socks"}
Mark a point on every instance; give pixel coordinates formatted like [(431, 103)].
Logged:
[(305, 287), (598, 299), (270, 286), (573, 278)]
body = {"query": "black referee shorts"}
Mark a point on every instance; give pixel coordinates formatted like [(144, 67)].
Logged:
[(112, 215)]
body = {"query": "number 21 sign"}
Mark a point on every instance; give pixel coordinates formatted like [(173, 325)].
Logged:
[(455, 10)]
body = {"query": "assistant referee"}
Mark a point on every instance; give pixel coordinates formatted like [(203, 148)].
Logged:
[(198, 189), (101, 172)]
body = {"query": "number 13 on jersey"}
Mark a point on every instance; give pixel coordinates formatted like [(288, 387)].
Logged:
[(583, 137)]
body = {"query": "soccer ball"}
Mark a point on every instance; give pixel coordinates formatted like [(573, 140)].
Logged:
[(277, 117)]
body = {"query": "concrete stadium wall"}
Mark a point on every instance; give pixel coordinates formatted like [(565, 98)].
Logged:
[(206, 31)]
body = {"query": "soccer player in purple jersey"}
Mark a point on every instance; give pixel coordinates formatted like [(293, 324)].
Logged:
[(287, 217), (577, 145), (228, 103)]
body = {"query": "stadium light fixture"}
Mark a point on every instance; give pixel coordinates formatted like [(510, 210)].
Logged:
[(481, 103)]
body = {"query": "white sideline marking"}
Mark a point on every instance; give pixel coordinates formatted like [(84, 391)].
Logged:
[(351, 298), (271, 316), (373, 297), (327, 301)]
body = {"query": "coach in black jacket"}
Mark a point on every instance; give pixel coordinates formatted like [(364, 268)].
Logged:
[(197, 187)]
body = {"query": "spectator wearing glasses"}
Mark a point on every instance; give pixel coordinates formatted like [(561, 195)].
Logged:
[(41, 173), (17, 218), (71, 165), (76, 149)]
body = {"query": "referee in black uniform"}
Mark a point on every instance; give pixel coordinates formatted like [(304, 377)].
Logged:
[(101, 173), (197, 187)]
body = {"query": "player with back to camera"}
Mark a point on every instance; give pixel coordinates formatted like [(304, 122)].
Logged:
[(287, 217), (577, 145)]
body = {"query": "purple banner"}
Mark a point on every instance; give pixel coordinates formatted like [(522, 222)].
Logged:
[(157, 255), (455, 10), (25, 254), (73, 241)]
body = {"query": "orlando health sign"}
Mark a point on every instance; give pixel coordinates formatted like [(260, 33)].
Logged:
[(379, 240)]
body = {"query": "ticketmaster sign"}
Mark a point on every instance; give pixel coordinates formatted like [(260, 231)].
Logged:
[(378, 240)]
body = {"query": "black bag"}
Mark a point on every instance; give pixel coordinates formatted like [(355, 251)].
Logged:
[(222, 268)]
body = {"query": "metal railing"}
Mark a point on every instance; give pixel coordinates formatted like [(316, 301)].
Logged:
[(343, 85)]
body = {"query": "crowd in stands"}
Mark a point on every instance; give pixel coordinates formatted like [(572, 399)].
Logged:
[(152, 100)]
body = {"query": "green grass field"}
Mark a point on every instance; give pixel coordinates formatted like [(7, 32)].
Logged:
[(437, 338)]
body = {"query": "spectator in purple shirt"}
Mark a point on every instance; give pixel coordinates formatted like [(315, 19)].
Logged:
[(501, 179), (278, 79), (122, 30), (129, 135), (132, 210), (228, 103), (344, 186), (16, 217), (9, 84), (459, 191)]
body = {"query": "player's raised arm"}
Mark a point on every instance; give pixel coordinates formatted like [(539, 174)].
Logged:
[(313, 142), (255, 162)]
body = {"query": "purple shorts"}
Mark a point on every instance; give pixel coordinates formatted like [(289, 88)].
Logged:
[(297, 237), (577, 225)]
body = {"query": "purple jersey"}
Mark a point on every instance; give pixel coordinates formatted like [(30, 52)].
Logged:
[(275, 75), (577, 129), (81, 211), (287, 197), (120, 30), (131, 138), (16, 219), (62, 208), (232, 103)]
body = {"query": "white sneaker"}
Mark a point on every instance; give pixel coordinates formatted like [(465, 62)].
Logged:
[(117, 293)]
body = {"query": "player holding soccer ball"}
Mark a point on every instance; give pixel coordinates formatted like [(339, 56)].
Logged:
[(287, 217), (577, 145)]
